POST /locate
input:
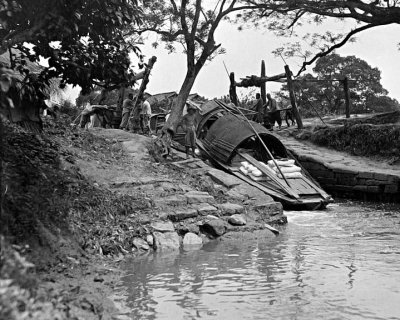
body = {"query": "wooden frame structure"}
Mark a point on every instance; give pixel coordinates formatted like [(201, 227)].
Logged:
[(260, 82)]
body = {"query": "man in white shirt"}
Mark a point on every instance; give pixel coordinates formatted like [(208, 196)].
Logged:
[(145, 116)]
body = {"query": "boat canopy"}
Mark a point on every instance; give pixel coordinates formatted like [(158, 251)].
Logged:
[(230, 132)]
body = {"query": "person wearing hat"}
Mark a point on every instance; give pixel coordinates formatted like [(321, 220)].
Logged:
[(189, 125)]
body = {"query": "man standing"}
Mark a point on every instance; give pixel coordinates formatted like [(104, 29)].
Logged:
[(258, 107), (145, 116), (127, 107), (273, 113), (189, 124)]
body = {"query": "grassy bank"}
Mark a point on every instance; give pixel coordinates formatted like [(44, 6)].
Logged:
[(55, 221)]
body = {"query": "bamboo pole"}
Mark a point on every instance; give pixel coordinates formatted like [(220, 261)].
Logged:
[(293, 97)]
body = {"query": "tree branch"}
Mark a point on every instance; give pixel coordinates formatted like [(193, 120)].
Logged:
[(335, 46)]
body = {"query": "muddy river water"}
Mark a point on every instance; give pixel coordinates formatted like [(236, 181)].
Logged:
[(340, 263)]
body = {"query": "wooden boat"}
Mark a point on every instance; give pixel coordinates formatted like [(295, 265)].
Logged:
[(229, 140)]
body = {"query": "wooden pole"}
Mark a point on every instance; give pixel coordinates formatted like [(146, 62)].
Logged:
[(263, 86), (347, 96), (293, 97), (143, 85), (232, 89)]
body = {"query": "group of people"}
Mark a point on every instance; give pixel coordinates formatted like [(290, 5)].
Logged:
[(136, 117), (269, 113)]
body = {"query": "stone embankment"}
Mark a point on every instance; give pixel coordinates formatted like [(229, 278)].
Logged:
[(182, 213), (345, 175)]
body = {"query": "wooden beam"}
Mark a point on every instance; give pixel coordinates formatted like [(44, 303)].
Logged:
[(346, 96), (293, 97), (255, 81)]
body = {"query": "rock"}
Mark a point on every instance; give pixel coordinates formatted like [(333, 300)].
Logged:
[(237, 220), (139, 243), (191, 239), (161, 226), (211, 217), (223, 178), (98, 279), (230, 208), (199, 197), (150, 240), (182, 215), (214, 227), (166, 240), (172, 201), (204, 209)]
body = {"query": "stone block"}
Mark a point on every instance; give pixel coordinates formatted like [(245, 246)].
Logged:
[(374, 189), (162, 226), (270, 208), (344, 169), (139, 243), (365, 174), (322, 173), (205, 209), (173, 201), (227, 180), (192, 240), (381, 176), (362, 188), (182, 214), (230, 208), (324, 181), (391, 188), (346, 179), (375, 182), (199, 197), (166, 241), (237, 220), (215, 228)]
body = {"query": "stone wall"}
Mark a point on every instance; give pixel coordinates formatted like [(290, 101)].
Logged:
[(352, 181)]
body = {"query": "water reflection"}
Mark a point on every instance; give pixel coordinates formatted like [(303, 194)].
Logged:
[(342, 263)]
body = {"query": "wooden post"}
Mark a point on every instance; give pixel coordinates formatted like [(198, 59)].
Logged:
[(293, 98), (263, 86), (232, 89), (347, 96)]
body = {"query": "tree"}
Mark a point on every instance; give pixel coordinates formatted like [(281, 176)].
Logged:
[(324, 93), (82, 41), (283, 16), (190, 24)]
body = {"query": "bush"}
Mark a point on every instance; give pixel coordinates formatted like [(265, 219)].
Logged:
[(361, 139)]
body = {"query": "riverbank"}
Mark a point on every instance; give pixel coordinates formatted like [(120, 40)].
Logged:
[(77, 203)]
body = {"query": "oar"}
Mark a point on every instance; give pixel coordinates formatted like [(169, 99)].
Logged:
[(263, 144)]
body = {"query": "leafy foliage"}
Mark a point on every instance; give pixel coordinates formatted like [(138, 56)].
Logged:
[(82, 41), (190, 24), (323, 92), (283, 17)]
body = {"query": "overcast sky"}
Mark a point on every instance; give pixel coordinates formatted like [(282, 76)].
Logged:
[(245, 50)]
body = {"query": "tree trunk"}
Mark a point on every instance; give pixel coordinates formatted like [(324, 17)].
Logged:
[(179, 104), (3, 229)]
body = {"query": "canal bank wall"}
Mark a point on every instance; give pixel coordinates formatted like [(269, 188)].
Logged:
[(345, 175)]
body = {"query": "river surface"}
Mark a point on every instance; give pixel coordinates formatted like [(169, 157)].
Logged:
[(340, 263)]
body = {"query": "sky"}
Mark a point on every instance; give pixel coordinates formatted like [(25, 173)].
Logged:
[(245, 50)]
